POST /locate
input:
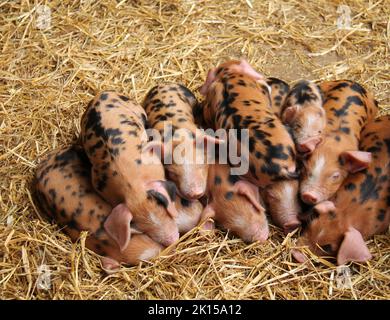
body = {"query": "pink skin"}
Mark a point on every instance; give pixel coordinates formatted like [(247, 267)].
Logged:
[(324, 172), (340, 227), (118, 227), (309, 145), (282, 203), (310, 197), (241, 66), (248, 231), (342, 238), (306, 117), (110, 233), (110, 266), (288, 222), (235, 207), (140, 248), (132, 178), (190, 177)]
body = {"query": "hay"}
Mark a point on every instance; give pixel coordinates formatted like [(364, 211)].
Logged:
[(48, 76)]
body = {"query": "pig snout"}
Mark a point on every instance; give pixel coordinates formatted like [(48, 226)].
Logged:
[(259, 233), (291, 225), (170, 239), (308, 145), (310, 197), (194, 192)]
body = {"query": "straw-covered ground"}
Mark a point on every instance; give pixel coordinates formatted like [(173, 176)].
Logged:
[(47, 76)]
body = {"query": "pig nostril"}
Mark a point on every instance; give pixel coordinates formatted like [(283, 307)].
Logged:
[(302, 148)]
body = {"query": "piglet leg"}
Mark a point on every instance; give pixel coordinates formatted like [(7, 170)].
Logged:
[(250, 191)]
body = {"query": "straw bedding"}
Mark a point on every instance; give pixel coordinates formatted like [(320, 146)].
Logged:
[(48, 76)]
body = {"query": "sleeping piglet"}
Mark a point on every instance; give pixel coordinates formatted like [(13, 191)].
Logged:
[(235, 205), (304, 113), (359, 209), (169, 110), (126, 171), (282, 197), (65, 193), (348, 108), (238, 97), (282, 201), (279, 92)]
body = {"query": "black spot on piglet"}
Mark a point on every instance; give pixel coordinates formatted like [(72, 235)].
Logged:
[(233, 178), (229, 195), (350, 186), (381, 215)]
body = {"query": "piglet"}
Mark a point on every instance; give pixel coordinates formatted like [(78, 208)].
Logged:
[(359, 209), (238, 97), (279, 92), (126, 170), (235, 205), (65, 193), (169, 110), (304, 113), (281, 197), (282, 201), (348, 108)]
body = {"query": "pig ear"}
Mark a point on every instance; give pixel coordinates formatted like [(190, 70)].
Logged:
[(248, 69), (209, 80), (288, 115), (355, 161), (250, 191), (158, 189), (117, 225), (208, 212), (353, 248)]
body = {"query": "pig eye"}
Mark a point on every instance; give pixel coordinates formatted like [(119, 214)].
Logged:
[(160, 198), (336, 176), (319, 131)]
